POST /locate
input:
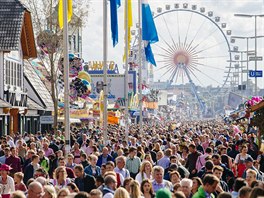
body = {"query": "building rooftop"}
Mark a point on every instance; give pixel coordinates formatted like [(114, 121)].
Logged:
[(38, 86), (31, 104), (16, 27)]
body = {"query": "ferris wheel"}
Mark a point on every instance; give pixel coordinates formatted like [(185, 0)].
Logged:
[(193, 48)]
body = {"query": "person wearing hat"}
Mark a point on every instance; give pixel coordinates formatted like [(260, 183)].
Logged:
[(249, 165), (7, 184)]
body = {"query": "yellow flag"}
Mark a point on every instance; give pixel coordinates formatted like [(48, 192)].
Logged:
[(60, 12), (129, 24)]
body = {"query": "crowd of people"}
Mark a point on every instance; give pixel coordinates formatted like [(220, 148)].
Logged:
[(190, 160)]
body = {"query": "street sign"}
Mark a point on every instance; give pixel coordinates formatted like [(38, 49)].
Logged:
[(46, 119), (244, 71), (255, 73), (251, 53), (253, 58)]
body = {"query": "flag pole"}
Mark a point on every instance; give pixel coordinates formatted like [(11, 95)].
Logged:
[(66, 76), (105, 69), (140, 64), (126, 70)]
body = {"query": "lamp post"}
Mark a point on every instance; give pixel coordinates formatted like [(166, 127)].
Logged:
[(240, 37), (255, 17), (252, 52)]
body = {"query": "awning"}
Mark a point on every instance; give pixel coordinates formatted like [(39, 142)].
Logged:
[(72, 120), (4, 104), (31, 104)]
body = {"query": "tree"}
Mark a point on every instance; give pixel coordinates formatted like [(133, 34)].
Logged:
[(49, 38)]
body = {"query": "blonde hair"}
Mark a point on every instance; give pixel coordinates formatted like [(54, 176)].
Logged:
[(120, 158), (143, 165), (64, 190), (57, 170), (18, 194), (19, 175), (51, 190), (96, 192), (121, 192), (110, 173), (134, 189), (92, 156), (252, 172)]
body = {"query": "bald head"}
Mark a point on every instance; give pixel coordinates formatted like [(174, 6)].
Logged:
[(42, 180), (34, 185), (35, 190)]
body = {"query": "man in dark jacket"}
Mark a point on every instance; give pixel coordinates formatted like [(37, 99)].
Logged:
[(227, 173), (29, 170), (83, 181), (28, 160), (191, 160)]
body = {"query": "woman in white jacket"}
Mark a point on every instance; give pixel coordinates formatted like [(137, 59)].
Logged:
[(145, 172), (7, 184)]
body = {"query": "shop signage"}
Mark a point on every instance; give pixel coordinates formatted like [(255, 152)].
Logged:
[(46, 120)]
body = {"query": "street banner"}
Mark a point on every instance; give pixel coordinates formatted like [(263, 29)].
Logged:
[(79, 113)]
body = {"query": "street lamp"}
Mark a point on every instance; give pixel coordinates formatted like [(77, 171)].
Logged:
[(247, 51), (255, 17)]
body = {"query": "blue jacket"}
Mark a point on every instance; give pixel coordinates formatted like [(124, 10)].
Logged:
[(100, 160), (88, 170)]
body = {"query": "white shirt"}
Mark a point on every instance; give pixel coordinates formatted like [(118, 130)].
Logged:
[(7, 188), (108, 195), (139, 177), (11, 143)]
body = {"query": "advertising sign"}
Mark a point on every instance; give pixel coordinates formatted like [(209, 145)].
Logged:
[(115, 85), (79, 113)]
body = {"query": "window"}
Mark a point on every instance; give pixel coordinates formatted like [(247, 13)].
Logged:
[(19, 74), (7, 79), (13, 73)]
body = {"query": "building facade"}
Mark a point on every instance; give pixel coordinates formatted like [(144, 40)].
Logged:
[(17, 44)]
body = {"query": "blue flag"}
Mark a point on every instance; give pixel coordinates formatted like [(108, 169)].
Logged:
[(149, 54), (114, 4), (149, 31)]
